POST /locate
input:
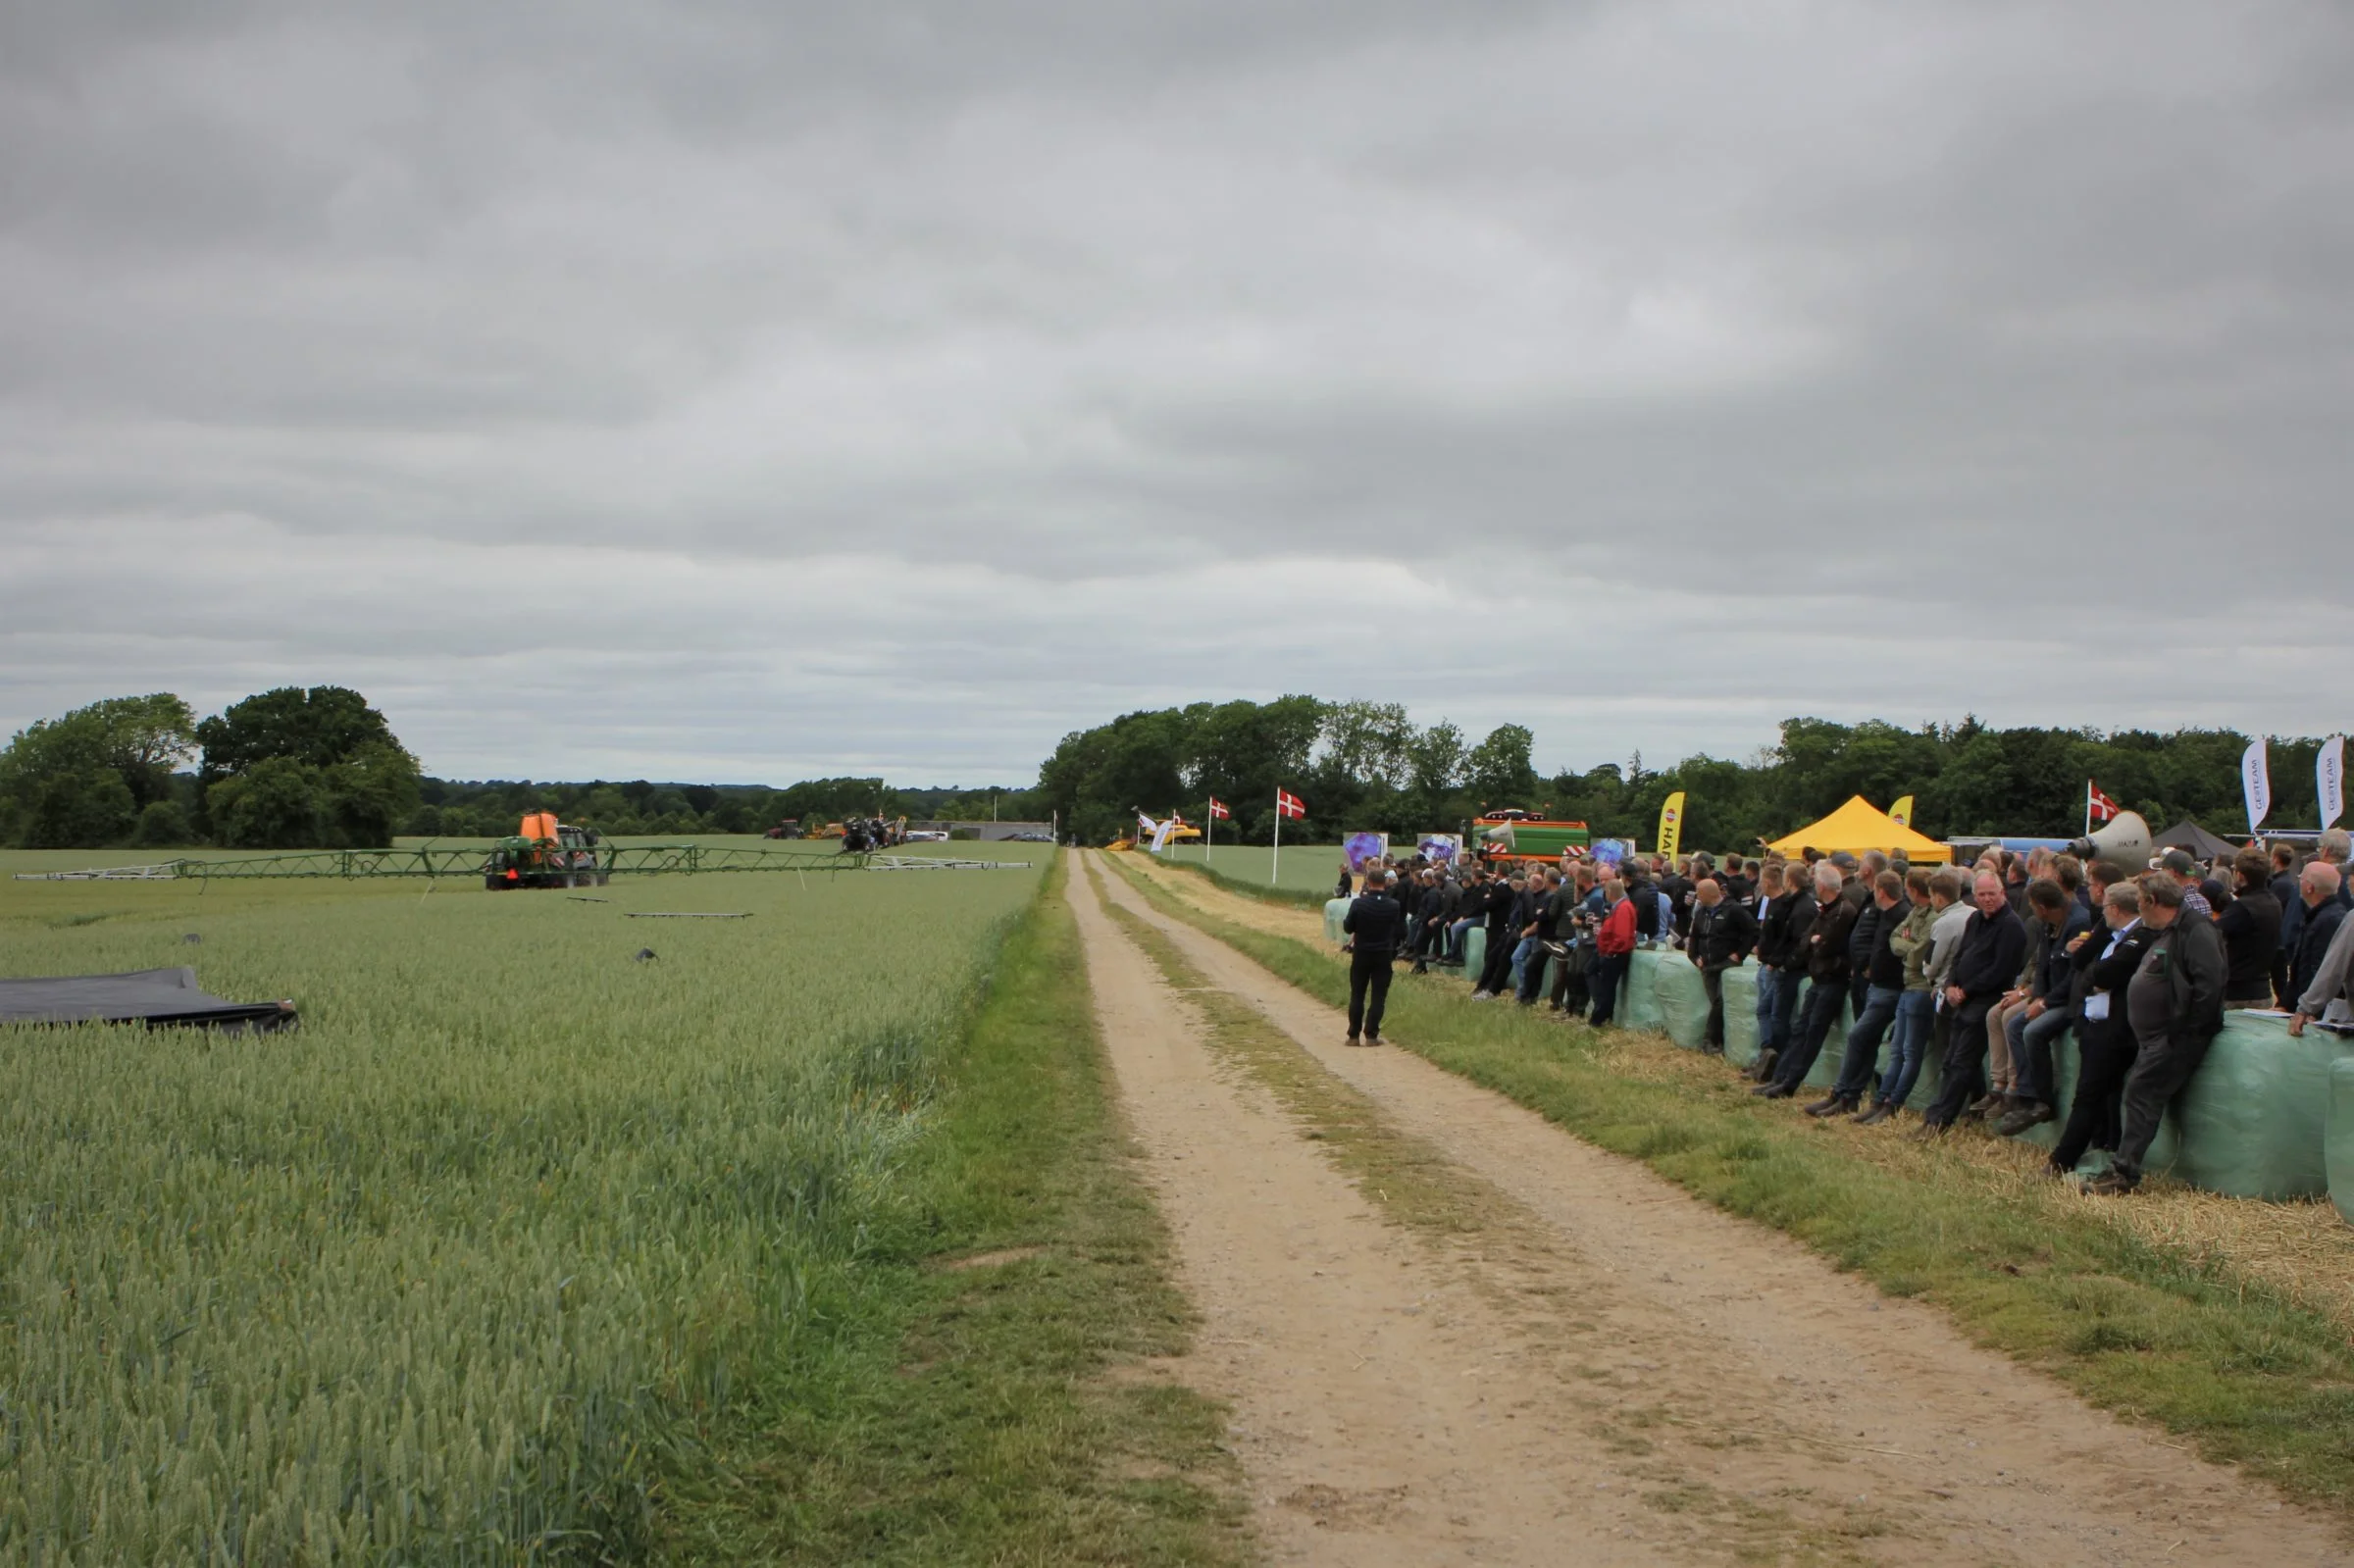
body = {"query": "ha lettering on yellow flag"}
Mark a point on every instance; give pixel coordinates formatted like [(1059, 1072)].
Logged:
[(1672, 824)]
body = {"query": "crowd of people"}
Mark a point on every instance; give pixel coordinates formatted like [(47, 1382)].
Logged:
[(1982, 968)]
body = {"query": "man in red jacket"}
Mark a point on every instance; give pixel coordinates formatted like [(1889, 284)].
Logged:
[(1614, 949)]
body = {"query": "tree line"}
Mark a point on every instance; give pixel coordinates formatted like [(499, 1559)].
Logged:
[(1365, 766), (317, 767), (298, 768), (314, 768)]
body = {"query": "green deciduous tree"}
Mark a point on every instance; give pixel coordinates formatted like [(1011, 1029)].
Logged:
[(81, 780)]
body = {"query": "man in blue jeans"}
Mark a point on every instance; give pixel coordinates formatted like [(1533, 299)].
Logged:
[(1884, 985), (2058, 921), (1781, 944), (1926, 897)]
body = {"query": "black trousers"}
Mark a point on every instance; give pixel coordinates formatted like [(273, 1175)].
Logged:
[(2164, 1064), (1367, 972), (1569, 982), (2105, 1053), (1496, 972), (1965, 1064), (1712, 980)]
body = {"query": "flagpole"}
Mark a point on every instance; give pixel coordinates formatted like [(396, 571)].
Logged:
[(1275, 866), (2088, 810)]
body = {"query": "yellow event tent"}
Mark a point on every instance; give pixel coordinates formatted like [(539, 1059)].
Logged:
[(1858, 825)]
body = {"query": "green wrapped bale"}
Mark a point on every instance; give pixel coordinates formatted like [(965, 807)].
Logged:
[(1639, 1003), (1683, 998), (1475, 952), (2338, 1133), (1741, 1015), (2251, 1120), (1335, 911)]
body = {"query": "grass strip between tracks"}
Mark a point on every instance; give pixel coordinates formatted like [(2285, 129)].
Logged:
[(958, 1399), (2145, 1330)]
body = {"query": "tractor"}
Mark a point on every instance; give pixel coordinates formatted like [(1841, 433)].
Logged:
[(547, 853)]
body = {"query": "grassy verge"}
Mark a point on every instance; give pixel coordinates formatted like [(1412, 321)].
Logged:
[(1266, 893), (2147, 1331), (959, 1397)]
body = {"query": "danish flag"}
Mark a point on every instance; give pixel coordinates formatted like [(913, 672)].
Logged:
[(2097, 806), (1217, 810), (1287, 804)]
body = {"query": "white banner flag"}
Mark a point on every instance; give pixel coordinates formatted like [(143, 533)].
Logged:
[(2330, 778), (2255, 779)]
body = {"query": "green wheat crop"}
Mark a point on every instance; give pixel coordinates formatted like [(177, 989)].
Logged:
[(449, 1273)]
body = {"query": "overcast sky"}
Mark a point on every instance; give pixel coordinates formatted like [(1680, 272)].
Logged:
[(757, 390)]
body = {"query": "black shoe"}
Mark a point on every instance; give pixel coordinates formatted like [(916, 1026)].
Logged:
[(1878, 1114), (2113, 1183), (1375, 1039), (1762, 1068), (1353, 1039), (1926, 1132), (1826, 1105), (1836, 1106), (1711, 1051), (1774, 1091), (2032, 1113), (1984, 1103)]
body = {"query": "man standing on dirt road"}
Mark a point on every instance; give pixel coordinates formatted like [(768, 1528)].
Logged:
[(1374, 923)]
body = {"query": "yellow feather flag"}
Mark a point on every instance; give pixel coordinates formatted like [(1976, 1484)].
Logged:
[(1672, 824), (1902, 812)]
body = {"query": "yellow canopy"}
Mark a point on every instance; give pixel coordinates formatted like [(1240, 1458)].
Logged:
[(1858, 825)]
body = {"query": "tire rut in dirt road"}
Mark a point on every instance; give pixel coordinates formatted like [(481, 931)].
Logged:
[(1827, 1392), (1395, 1400)]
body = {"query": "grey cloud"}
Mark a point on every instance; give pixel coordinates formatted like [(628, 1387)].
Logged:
[(913, 384)]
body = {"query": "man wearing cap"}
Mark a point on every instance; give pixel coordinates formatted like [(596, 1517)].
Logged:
[(2178, 864), (2175, 1006)]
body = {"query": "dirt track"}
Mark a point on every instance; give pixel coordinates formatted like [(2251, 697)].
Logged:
[(1632, 1377)]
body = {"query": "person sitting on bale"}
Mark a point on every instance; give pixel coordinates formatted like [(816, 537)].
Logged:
[(1825, 954), (1992, 945), (1911, 941), (1884, 973), (2175, 1003), (2105, 961)]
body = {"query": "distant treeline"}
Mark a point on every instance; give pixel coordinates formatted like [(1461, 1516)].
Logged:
[(319, 767), (1362, 766), (456, 809)]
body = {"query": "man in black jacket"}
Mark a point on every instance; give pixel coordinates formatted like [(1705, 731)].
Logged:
[(1374, 924), (2104, 960), (2318, 889), (2175, 1003), (1994, 945), (1722, 932), (1782, 956), (1825, 954), (1502, 904), (1884, 985)]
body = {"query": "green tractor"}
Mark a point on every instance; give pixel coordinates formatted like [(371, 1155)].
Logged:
[(547, 853)]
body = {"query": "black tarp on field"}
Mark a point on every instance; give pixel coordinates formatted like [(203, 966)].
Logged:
[(157, 997)]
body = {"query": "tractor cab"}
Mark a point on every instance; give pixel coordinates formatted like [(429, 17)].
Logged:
[(547, 853)]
